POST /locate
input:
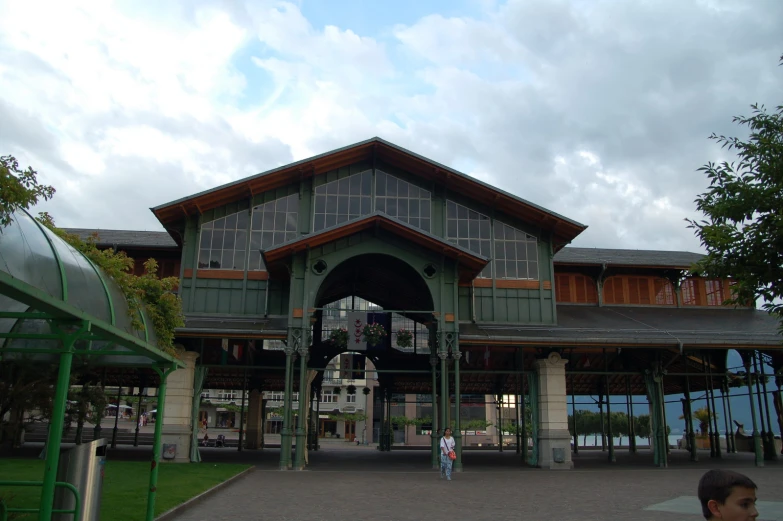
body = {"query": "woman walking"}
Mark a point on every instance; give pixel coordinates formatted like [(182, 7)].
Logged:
[(447, 455)]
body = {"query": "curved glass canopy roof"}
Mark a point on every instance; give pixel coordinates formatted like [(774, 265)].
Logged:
[(46, 286)]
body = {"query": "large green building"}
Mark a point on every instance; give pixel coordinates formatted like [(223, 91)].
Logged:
[(496, 301)]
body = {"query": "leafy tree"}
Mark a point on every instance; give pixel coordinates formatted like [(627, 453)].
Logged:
[(703, 417), (619, 425), (19, 189), (743, 229), (350, 419), (643, 427), (404, 422), (25, 385)]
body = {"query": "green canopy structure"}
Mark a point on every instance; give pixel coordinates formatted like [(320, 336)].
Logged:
[(57, 307)]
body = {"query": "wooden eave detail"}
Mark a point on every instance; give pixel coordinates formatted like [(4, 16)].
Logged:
[(563, 231), (473, 263)]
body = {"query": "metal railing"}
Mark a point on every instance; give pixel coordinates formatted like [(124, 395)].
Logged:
[(5, 509)]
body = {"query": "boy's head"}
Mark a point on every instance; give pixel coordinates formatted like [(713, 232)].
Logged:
[(727, 495)]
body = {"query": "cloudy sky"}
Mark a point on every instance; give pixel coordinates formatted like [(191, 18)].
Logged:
[(599, 110)]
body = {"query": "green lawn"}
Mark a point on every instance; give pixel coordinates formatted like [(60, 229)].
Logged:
[(125, 485)]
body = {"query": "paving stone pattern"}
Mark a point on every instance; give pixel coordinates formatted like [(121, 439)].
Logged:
[(364, 484)]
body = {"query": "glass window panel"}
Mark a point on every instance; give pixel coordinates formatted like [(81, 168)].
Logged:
[(415, 221), (228, 240), (257, 218), (380, 204), (402, 209), (331, 220), (279, 238), (380, 185), (320, 204), (290, 236), (532, 251), (472, 214), (331, 188), (318, 223), (499, 233), (425, 225), (521, 250), (391, 207), (208, 226), (413, 208), (239, 260), (342, 217), (281, 205), (279, 222), (291, 222), (217, 239), (342, 204), (511, 269), (254, 261), (462, 212), (486, 250), (321, 189), (391, 186), (206, 238), (355, 183), (366, 201), (367, 182), (500, 250), (474, 245), (484, 231), (331, 204), (220, 224), (241, 240), (203, 259), (465, 243), (255, 241), (402, 189), (227, 259), (532, 270), (473, 229), (214, 258), (355, 205), (413, 191), (269, 217), (522, 269), (267, 240), (231, 222), (462, 229), (500, 269), (451, 210), (344, 186), (425, 208), (511, 251), (242, 219)]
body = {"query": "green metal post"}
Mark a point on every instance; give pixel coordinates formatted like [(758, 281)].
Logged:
[(444, 391), (302, 413), (116, 418), (434, 397), (285, 433), (609, 433), (156, 445), (689, 421), (56, 428), (382, 415), (730, 431), (523, 423), (457, 400), (573, 415), (773, 455), (756, 439)]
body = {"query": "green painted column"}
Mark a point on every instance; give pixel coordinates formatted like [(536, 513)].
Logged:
[(689, 421), (285, 433), (457, 402), (56, 428), (756, 438), (156, 444), (382, 424), (434, 434), (302, 412), (523, 422), (731, 447), (444, 391)]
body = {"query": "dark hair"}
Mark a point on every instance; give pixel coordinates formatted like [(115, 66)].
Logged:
[(717, 484)]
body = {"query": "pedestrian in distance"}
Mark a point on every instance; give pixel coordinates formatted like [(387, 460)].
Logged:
[(727, 496), (447, 454)]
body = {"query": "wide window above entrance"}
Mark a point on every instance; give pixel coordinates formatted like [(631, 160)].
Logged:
[(471, 230), (516, 253), (403, 200), (340, 201)]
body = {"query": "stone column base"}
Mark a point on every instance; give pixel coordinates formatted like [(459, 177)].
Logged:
[(554, 450), (179, 436)]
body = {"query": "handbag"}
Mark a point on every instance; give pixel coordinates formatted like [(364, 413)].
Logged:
[(452, 455)]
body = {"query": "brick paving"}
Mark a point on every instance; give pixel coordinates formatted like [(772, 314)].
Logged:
[(361, 483)]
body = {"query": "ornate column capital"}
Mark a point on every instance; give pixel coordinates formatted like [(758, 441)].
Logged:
[(457, 355), (288, 350), (442, 355)]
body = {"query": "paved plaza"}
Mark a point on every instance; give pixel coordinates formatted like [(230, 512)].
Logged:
[(361, 483)]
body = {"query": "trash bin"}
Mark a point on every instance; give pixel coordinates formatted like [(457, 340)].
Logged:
[(82, 466)]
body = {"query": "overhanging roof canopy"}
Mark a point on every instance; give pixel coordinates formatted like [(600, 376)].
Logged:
[(46, 285), (564, 230), (471, 263)]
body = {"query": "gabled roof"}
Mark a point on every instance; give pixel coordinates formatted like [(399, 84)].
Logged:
[(124, 238), (471, 263), (563, 229), (612, 257)]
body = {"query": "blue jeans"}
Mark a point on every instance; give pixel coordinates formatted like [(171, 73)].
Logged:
[(445, 465)]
